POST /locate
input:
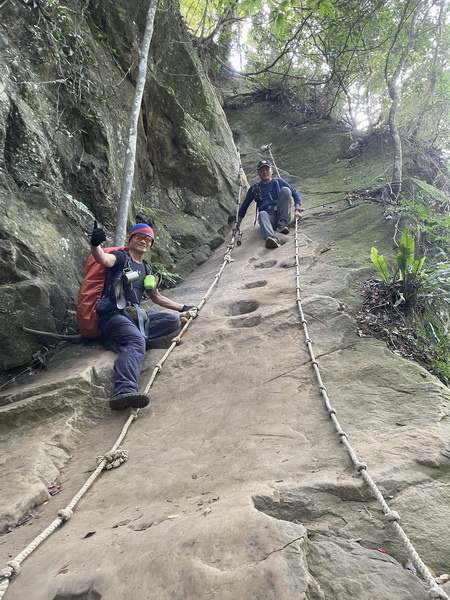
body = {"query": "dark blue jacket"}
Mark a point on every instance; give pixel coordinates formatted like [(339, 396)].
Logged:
[(266, 196)]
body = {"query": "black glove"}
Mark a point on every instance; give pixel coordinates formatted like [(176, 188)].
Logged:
[(186, 308), (188, 313), (98, 235)]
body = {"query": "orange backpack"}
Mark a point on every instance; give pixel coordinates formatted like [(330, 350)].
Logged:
[(91, 290)]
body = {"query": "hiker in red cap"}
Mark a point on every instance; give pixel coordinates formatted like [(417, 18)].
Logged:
[(274, 199), (122, 319)]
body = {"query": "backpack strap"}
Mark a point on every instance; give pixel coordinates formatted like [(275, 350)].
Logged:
[(140, 322), (277, 186), (257, 197)]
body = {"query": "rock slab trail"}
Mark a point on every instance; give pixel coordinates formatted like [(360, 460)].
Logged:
[(237, 485)]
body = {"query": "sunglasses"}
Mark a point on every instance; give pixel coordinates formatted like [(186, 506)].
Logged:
[(140, 236)]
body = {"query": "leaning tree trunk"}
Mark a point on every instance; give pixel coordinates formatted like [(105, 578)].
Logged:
[(130, 156), (392, 85)]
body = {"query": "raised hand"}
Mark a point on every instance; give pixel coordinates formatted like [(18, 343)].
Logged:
[(98, 235)]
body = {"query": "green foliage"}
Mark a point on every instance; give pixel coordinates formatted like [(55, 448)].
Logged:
[(324, 7), (430, 219), (380, 263), (411, 286), (411, 279), (435, 344), (154, 216), (39, 357), (333, 57), (418, 299), (120, 13), (168, 278)]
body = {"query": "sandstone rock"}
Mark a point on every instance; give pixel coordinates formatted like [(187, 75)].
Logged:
[(237, 483)]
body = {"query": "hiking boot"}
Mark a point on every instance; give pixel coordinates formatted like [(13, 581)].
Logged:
[(132, 399), (272, 242), (283, 229)]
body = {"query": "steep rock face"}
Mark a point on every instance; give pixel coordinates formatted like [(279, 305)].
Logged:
[(238, 484), (65, 95)]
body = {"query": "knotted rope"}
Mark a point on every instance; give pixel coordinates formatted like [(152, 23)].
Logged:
[(391, 516)]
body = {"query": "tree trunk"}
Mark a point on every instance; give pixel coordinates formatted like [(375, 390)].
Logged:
[(396, 140), (392, 81), (130, 156)]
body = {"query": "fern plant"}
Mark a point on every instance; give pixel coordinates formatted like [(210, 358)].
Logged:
[(410, 284)]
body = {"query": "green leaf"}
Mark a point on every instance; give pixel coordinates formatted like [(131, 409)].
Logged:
[(380, 263), (417, 266), (405, 254), (279, 24)]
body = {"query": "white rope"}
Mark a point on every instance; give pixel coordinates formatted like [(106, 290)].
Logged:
[(434, 592)]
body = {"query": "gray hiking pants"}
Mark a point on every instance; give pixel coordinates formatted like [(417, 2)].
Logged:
[(280, 217)]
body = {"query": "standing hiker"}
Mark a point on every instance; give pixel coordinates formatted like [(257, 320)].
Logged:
[(274, 199), (122, 320)]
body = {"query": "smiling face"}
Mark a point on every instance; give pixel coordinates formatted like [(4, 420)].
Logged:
[(265, 174), (140, 244)]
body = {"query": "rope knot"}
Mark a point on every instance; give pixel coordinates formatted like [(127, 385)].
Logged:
[(10, 570), (113, 458), (331, 411), (360, 466), (65, 514), (436, 593), (392, 515)]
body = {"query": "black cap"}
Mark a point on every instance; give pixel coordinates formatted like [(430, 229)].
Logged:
[(264, 163)]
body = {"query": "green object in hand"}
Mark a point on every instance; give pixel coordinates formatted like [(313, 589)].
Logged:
[(150, 282)]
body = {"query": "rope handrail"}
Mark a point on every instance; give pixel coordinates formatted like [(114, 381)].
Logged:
[(116, 456), (393, 517)]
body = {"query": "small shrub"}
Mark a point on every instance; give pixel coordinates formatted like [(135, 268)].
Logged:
[(412, 287)]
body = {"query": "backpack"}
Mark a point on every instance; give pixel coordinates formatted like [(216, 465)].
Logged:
[(91, 290)]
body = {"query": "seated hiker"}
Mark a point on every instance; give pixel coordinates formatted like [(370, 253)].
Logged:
[(121, 318), (274, 199)]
